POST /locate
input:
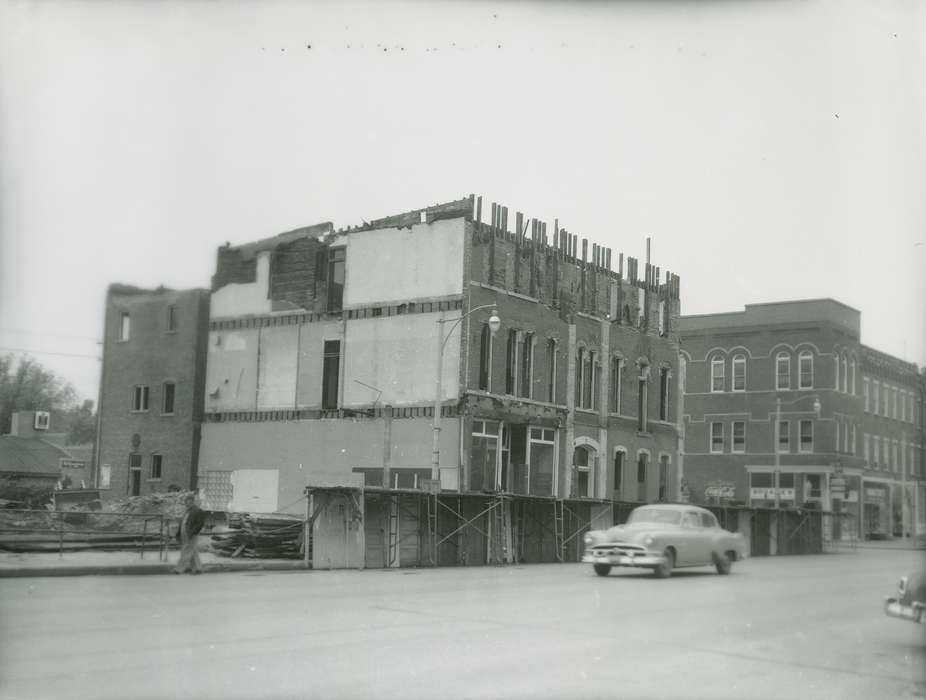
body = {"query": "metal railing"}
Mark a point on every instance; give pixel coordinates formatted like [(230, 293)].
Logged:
[(48, 530)]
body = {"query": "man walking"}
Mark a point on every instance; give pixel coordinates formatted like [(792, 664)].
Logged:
[(190, 527)]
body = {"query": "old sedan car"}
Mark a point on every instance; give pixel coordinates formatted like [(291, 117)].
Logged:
[(663, 537), (910, 601)]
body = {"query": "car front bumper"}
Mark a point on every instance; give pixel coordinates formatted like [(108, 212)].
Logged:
[(643, 559), (914, 613)]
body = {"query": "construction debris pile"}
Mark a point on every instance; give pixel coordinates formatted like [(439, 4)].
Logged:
[(261, 536)]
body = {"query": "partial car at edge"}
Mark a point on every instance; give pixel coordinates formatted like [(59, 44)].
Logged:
[(910, 601), (663, 537)]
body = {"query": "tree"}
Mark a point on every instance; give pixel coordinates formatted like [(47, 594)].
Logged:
[(82, 424), (27, 386)]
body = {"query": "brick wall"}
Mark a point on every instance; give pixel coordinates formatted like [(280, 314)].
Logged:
[(150, 357)]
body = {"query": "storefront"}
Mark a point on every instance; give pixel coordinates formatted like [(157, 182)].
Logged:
[(877, 512)]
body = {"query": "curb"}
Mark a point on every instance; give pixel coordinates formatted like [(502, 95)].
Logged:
[(144, 569)]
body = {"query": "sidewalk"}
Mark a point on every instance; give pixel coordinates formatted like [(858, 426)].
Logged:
[(107, 563), (918, 543)]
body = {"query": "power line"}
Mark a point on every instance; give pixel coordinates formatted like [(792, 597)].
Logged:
[(51, 335), (47, 352)]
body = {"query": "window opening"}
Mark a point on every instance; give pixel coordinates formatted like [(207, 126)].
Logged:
[(336, 259), (739, 436), (783, 371), (716, 437), (140, 398), (717, 374), (168, 403), (485, 357), (805, 360), (331, 368)]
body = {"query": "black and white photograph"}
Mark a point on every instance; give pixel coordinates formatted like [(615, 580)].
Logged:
[(462, 349)]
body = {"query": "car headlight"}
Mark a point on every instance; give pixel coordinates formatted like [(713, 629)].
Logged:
[(647, 541), (588, 539)]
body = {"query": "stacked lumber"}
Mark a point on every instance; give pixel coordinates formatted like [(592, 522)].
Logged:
[(260, 536)]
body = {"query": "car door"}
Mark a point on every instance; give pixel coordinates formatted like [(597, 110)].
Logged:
[(690, 540), (702, 535)]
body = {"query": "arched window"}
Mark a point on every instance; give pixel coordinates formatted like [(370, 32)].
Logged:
[(783, 371), (717, 374), (852, 376), (511, 363), (620, 458), (845, 374), (805, 368), (739, 373), (551, 370), (836, 366), (580, 364)]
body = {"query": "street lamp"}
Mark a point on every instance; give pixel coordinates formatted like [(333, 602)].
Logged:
[(778, 405), (494, 324)]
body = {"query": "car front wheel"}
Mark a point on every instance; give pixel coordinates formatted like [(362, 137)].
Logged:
[(723, 563), (665, 570), (602, 569)]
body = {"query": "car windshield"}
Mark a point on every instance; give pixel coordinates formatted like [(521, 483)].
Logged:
[(655, 515)]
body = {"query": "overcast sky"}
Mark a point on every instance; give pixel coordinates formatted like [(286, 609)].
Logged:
[(772, 149)]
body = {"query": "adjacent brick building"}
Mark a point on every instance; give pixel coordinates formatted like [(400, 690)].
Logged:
[(837, 444), (151, 390)]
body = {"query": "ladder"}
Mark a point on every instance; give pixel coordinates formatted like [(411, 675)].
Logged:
[(559, 529), (519, 527), (499, 550)]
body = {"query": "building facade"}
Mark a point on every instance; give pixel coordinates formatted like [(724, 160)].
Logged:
[(151, 390), (29, 459), (780, 411), (329, 350)]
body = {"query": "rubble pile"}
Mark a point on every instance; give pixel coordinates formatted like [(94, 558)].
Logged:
[(259, 536)]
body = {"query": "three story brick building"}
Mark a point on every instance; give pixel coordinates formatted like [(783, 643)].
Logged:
[(151, 390), (784, 406)]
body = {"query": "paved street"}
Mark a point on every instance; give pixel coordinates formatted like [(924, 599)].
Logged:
[(793, 627)]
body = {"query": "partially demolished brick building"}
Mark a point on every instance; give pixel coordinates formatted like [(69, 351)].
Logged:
[(329, 351)]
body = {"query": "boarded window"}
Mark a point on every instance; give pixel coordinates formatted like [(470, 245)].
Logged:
[(330, 374)]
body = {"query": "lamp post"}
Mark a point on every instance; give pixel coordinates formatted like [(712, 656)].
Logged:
[(494, 324), (778, 405)]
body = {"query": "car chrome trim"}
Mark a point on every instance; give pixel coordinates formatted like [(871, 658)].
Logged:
[(895, 608)]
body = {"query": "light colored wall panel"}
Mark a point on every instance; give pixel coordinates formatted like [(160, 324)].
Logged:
[(231, 370), (398, 356), (278, 359), (395, 265)]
